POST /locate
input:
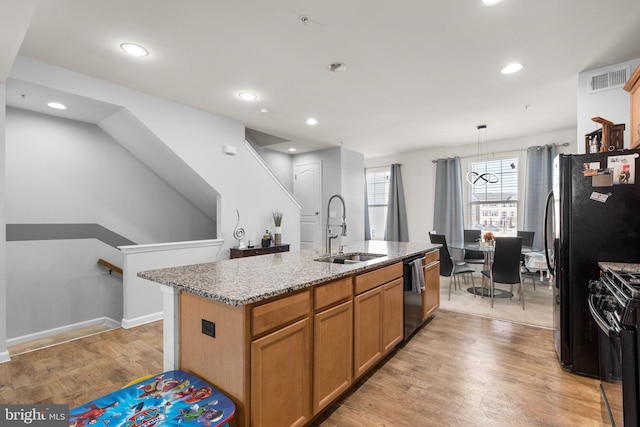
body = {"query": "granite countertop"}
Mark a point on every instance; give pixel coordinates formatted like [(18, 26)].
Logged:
[(244, 281), (620, 266)]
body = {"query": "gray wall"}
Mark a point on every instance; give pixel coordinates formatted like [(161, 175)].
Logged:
[(72, 180)]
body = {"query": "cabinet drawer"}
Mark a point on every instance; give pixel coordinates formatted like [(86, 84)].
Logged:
[(430, 257), (366, 281), (331, 293), (271, 315)]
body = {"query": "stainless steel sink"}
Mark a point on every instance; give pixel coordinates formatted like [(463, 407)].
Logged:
[(350, 258)]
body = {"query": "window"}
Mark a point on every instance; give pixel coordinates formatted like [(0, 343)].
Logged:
[(377, 198), (494, 206)]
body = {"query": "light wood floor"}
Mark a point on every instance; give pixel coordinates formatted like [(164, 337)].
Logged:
[(39, 344), (82, 370), (459, 370)]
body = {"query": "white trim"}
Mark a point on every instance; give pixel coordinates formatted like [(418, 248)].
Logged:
[(170, 331), (157, 247), (142, 320), (110, 323), (266, 167), (4, 357)]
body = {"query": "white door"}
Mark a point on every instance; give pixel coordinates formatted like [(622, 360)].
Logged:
[(307, 187)]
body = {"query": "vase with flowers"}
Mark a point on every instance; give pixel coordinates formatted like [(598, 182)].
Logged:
[(489, 238), (277, 220)]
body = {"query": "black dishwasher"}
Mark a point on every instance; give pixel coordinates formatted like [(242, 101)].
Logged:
[(412, 299)]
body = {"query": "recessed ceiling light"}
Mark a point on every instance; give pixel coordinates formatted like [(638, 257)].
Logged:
[(248, 96), (511, 68), (292, 149), (490, 2), (134, 49), (312, 121), (57, 105)]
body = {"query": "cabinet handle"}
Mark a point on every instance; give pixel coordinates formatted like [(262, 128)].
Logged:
[(430, 265)]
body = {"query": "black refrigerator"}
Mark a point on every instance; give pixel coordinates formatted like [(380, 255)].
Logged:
[(592, 215)]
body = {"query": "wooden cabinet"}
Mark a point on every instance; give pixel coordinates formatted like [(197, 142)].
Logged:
[(281, 377), (377, 316), (332, 354), (285, 359), (245, 252), (281, 361), (367, 332), (633, 87), (392, 315), (332, 342), (431, 294)]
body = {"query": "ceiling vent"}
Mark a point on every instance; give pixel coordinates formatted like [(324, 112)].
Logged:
[(609, 80)]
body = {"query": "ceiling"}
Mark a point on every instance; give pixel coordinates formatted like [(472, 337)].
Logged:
[(420, 73)]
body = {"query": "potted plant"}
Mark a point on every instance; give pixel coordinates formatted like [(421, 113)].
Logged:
[(277, 220)]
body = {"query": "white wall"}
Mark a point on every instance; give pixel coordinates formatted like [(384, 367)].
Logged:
[(613, 104), (143, 298), (4, 356), (194, 136), (197, 137), (63, 171), (418, 172), (67, 172)]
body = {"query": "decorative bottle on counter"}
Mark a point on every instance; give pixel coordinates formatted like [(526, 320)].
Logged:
[(266, 239)]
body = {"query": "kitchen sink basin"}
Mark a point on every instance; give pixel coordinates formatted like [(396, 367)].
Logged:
[(350, 258)]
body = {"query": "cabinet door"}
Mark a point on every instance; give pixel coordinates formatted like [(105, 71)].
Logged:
[(431, 294), (392, 314), (332, 354), (367, 330), (280, 377)]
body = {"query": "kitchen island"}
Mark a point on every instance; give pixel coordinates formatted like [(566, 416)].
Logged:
[(284, 335)]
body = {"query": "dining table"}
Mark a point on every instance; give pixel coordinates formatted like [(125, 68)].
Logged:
[(488, 249)]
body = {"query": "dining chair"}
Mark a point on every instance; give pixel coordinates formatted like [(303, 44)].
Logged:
[(449, 267), (527, 237), (505, 268), (471, 256), (527, 241)]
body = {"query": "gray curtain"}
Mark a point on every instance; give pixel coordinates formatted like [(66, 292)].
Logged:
[(448, 211), (396, 229), (538, 182), (367, 226)]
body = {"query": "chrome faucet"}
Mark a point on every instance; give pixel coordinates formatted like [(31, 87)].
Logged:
[(331, 236)]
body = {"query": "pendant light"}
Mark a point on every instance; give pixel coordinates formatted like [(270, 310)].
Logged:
[(479, 179)]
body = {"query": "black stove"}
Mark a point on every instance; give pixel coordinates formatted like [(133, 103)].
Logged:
[(614, 303)]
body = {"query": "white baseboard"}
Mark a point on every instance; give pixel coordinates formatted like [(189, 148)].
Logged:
[(4, 357), (108, 322), (142, 320)]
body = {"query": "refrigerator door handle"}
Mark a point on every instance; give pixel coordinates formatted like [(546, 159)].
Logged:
[(546, 232)]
